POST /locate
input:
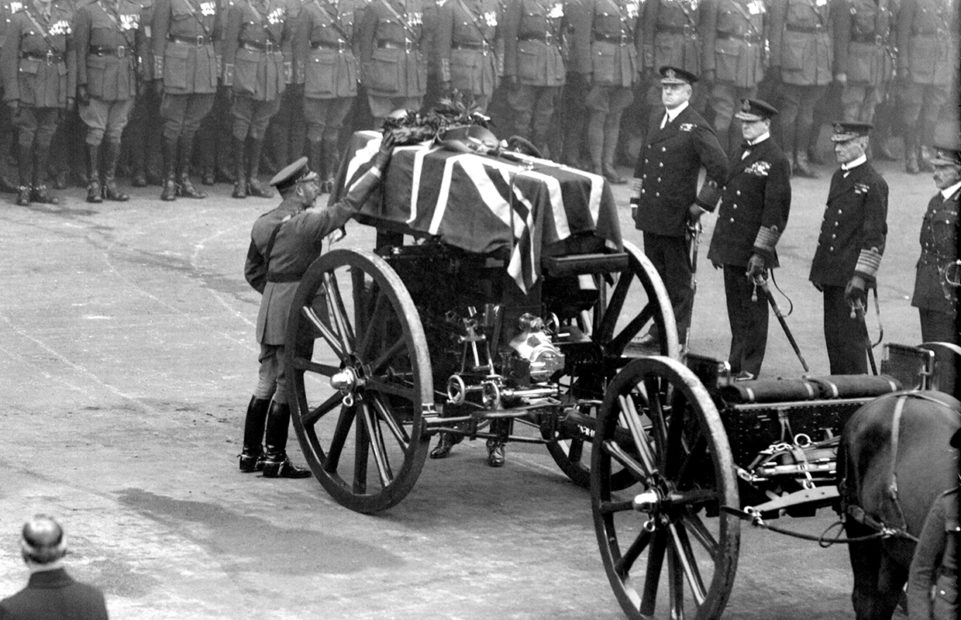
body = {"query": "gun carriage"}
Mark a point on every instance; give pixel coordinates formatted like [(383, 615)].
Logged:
[(511, 313)]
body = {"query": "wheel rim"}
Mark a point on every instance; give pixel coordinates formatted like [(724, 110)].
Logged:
[(667, 549), (360, 378), (613, 328)]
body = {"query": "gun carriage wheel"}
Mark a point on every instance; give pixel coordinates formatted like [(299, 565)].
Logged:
[(631, 300), (360, 380), (659, 424)]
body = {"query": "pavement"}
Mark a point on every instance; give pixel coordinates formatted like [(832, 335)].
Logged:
[(128, 360)]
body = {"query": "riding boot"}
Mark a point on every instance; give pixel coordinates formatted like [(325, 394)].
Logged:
[(331, 164), (111, 156), (802, 167), (445, 443), (169, 153), (611, 133), (185, 188), (252, 455), (39, 192), (910, 153), (25, 173), (882, 152), (254, 187), (240, 174), (595, 143), (495, 453), (276, 463), (93, 173)]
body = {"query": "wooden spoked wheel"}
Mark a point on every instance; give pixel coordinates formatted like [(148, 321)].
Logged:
[(629, 302), (360, 381), (668, 549)]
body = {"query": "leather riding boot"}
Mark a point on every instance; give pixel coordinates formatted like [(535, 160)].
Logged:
[(93, 173), (185, 188), (882, 151), (254, 187), (39, 192), (276, 463), (316, 160), (111, 156), (611, 133), (252, 455), (169, 153), (595, 143), (445, 444), (802, 167), (910, 154), (495, 453), (331, 164), (25, 173), (240, 174)]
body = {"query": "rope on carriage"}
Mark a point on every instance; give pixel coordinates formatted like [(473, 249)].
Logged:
[(822, 540)]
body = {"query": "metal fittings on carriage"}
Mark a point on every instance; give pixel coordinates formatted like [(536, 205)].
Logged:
[(345, 382)]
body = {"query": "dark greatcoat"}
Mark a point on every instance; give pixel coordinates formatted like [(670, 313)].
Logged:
[(54, 594), (939, 248)]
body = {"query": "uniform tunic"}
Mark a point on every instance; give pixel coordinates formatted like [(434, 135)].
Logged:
[(864, 48), (606, 42), (801, 41), (734, 34), (672, 35), (532, 42), (757, 194), (391, 43), (466, 42), (324, 49), (935, 563), (850, 243), (182, 46), (33, 62), (928, 41), (257, 49), (939, 249), (108, 43)]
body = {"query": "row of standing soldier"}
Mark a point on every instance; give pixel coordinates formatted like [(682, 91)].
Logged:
[(224, 69)]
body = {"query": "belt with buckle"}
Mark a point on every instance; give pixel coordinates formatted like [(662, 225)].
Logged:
[(340, 46), (199, 40), (620, 39), (805, 29), (686, 29), (48, 57), (749, 38), (876, 39), (407, 46), (120, 51), (545, 38), (260, 47), (481, 47)]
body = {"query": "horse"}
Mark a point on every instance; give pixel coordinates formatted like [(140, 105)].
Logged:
[(894, 460)]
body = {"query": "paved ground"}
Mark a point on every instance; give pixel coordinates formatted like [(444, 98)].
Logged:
[(129, 356)]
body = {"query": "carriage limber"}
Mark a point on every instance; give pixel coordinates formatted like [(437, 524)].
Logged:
[(501, 302)]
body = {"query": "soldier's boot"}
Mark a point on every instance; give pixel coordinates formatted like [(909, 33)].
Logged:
[(611, 132), (595, 143), (445, 443), (185, 188), (802, 167), (495, 453), (252, 454), (331, 164), (25, 173), (169, 152), (925, 156), (207, 176), (910, 155), (39, 191), (276, 463), (316, 160), (240, 171), (881, 148), (111, 157), (93, 174), (254, 187)]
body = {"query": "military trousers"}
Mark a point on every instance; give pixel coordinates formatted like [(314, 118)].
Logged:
[(533, 110), (844, 337), (271, 381), (937, 326), (723, 101), (797, 115), (748, 319), (669, 256), (859, 101), (325, 116), (251, 117), (922, 104), (36, 125), (105, 120), (183, 113)]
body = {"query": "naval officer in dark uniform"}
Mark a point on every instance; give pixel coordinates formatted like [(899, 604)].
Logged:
[(679, 142), (938, 270), (850, 246), (755, 202)]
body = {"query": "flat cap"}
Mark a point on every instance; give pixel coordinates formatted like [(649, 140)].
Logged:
[(754, 110), (675, 75), (848, 130), (291, 174)]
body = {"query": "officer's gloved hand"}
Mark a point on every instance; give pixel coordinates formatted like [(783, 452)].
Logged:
[(854, 291), (83, 96), (382, 157), (694, 213), (756, 267)]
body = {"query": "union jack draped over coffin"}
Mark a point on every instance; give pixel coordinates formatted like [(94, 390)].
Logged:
[(483, 204)]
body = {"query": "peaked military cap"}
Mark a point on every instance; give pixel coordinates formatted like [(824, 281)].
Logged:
[(675, 75), (755, 110), (848, 130), (947, 152), (291, 174)]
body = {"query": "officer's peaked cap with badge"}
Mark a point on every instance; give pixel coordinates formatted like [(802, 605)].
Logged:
[(676, 75), (754, 110), (849, 130), (947, 151), (291, 174)]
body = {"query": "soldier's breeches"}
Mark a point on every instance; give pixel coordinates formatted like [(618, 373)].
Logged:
[(669, 257), (922, 104), (724, 99), (843, 336), (105, 119), (36, 125), (748, 320), (182, 114), (937, 326), (858, 102), (608, 99), (270, 377), (533, 103), (252, 117), (325, 113), (797, 115)]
